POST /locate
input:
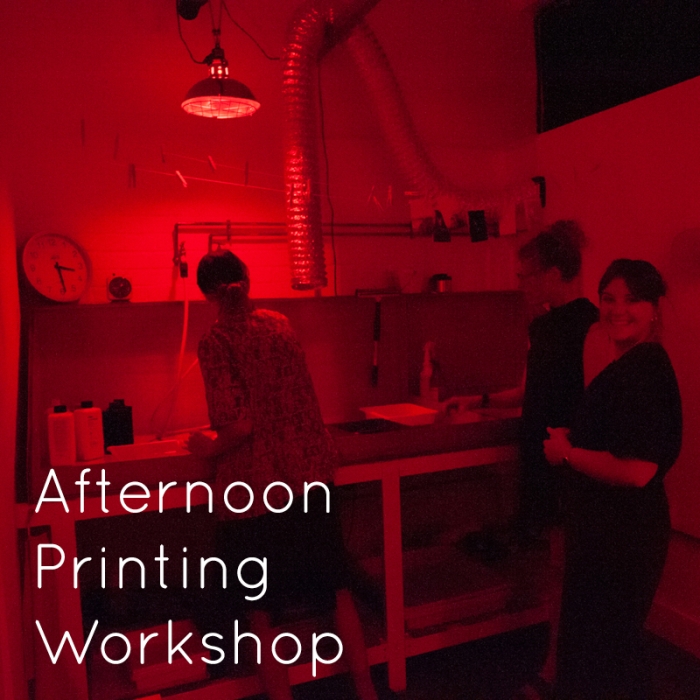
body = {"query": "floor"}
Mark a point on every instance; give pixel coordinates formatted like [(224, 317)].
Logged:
[(496, 668)]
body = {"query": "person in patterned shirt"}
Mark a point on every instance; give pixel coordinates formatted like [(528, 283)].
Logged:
[(269, 428)]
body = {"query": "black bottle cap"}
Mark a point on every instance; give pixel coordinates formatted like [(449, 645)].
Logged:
[(117, 403), (86, 404), (60, 409)]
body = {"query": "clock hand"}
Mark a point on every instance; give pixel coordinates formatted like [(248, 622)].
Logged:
[(70, 269), (60, 275)]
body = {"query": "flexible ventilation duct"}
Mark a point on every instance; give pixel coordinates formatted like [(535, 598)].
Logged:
[(316, 27), (417, 166), (394, 117)]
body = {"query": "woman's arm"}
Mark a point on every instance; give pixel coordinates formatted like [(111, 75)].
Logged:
[(508, 398), (598, 465), (596, 353), (226, 400), (613, 470), (228, 437)]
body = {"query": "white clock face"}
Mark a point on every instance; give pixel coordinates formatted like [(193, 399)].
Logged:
[(55, 267)]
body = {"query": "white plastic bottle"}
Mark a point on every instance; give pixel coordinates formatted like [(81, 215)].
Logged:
[(89, 436), (61, 437)]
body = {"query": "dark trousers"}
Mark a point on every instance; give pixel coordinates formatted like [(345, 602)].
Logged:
[(613, 568)]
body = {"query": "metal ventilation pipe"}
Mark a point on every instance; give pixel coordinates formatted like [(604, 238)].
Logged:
[(402, 137), (394, 117), (317, 27)]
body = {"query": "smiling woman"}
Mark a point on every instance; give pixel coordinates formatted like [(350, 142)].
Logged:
[(624, 439), (629, 303)]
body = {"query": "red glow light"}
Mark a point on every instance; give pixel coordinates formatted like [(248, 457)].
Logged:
[(220, 98)]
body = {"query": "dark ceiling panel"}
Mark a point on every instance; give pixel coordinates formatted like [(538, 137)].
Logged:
[(596, 54)]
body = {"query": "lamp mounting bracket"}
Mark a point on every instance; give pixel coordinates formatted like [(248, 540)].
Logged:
[(189, 9)]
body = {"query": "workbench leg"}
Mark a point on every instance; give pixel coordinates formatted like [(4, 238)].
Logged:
[(393, 579), (67, 679)]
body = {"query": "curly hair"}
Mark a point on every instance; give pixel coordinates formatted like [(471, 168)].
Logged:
[(557, 246)]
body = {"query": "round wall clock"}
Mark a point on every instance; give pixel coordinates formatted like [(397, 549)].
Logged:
[(55, 266)]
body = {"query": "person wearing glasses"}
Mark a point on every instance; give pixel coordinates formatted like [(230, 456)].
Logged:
[(549, 267)]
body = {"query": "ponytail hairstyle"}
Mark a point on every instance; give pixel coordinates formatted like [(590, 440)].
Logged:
[(557, 246), (225, 276)]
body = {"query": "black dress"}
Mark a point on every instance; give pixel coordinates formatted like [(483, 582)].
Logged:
[(616, 536), (553, 388)]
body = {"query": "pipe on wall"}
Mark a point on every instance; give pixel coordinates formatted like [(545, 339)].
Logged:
[(316, 27), (395, 119), (411, 156)]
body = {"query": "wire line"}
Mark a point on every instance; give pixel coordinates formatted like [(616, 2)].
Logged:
[(182, 38), (328, 180), (249, 35)]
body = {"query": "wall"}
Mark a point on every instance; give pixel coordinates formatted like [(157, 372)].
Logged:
[(103, 352), (630, 176)]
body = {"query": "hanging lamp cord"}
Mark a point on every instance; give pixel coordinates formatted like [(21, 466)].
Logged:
[(248, 34), (182, 38), (216, 29)]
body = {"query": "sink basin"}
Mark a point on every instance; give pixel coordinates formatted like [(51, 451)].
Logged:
[(145, 450), (369, 426), (463, 417), (500, 413)]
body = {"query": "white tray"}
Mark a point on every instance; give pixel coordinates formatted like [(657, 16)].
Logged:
[(404, 413)]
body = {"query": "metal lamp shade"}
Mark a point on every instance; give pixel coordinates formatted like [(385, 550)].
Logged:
[(220, 98)]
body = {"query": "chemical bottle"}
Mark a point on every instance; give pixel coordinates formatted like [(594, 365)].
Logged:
[(61, 437), (89, 438), (117, 424)]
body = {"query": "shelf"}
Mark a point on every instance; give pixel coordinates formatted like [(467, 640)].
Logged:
[(449, 597), (469, 630), (460, 632), (443, 586), (112, 682)]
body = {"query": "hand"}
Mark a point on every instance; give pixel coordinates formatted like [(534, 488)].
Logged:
[(557, 447), (458, 404), (200, 445), (60, 275)]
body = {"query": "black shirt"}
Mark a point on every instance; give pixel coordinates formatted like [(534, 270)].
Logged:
[(616, 536), (632, 409), (554, 383)]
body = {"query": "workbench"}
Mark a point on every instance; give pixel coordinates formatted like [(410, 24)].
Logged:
[(385, 459)]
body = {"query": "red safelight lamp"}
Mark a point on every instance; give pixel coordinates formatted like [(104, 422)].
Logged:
[(218, 96)]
